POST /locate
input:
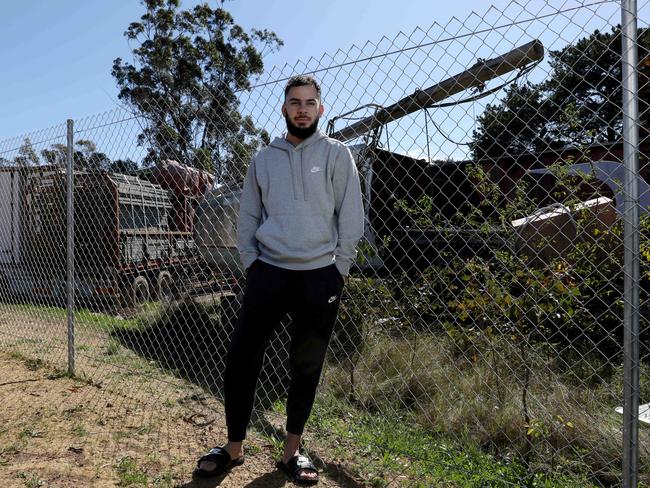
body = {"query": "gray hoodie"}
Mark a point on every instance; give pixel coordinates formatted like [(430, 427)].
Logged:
[(301, 206)]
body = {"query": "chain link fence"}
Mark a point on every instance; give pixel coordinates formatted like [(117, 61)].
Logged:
[(480, 336)]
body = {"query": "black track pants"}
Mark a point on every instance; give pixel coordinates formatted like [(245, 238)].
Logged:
[(312, 298)]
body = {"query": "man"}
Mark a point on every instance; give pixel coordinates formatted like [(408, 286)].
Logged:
[(301, 216)]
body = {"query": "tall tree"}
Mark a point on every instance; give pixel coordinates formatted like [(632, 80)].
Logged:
[(87, 157), (84, 155), (27, 155), (580, 103), (513, 127), (55, 155), (126, 166), (187, 69)]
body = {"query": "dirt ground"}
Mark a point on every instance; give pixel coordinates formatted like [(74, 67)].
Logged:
[(61, 432)]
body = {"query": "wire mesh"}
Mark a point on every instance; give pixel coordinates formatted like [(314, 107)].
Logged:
[(479, 339)]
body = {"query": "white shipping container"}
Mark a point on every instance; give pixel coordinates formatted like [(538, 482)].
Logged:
[(10, 211)]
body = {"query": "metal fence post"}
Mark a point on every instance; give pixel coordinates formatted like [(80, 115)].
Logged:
[(631, 243), (70, 246)]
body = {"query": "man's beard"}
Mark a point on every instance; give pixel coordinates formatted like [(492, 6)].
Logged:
[(301, 132)]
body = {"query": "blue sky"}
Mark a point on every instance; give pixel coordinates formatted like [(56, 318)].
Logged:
[(57, 55)]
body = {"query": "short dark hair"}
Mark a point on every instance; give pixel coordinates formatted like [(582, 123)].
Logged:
[(301, 80)]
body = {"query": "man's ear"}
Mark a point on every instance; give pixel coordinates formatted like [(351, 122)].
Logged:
[(321, 109), (284, 110)]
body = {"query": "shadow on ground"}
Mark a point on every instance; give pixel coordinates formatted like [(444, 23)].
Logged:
[(333, 471), (191, 339), (274, 479)]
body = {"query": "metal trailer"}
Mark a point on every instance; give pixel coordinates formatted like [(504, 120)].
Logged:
[(127, 246), (17, 275), (10, 229)]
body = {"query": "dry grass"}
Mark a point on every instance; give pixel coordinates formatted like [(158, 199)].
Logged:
[(479, 398)]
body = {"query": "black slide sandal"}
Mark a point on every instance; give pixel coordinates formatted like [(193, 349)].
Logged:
[(294, 466), (223, 461)]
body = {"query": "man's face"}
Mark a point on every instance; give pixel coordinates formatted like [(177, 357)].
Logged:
[(302, 110)]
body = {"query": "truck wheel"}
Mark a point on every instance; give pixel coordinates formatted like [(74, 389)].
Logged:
[(140, 291), (165, 287)]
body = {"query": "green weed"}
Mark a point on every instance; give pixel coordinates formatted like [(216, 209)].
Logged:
[(29, 432), (80, 431), (84, 318), (34, 364), (163, 480), (12, 449), (113, 347), (129, 473), (252, 449), (143, 429), (279, 406), (277, 445), (71, 412), (387, 448), (31, 480), (58, 374)]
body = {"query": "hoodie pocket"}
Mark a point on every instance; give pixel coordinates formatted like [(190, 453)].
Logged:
[(296, 236)]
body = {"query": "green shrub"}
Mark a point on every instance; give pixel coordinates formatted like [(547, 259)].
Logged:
[(523, 359)]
